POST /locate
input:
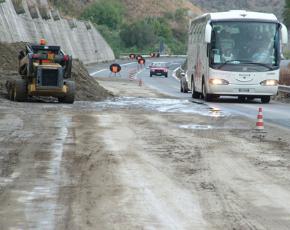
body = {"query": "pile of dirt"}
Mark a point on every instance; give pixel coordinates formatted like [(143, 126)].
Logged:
[(87, 88)]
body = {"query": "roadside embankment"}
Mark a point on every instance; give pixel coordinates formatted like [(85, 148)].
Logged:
[(32, 20)]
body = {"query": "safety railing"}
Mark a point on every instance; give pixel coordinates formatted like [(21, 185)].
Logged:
[(284, 88)]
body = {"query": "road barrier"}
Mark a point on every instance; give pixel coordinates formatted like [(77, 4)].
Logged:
[(126, 56), (284, 88), (260, 122)]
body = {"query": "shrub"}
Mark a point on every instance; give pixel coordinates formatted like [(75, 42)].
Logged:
[(139, 34), (105, 12)]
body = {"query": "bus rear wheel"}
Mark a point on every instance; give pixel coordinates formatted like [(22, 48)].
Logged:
[(194, 94), (183, 85), (265, 99)]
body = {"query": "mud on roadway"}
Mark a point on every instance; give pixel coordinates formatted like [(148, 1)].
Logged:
[(139, 161)]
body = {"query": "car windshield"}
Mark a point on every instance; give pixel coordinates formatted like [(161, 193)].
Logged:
[(159, 64), (243, 43)]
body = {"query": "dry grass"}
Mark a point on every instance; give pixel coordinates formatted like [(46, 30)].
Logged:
[(134, 9), (145, 8)]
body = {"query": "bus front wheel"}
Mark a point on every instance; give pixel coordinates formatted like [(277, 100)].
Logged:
[(241, 99), (265, 99), (206, 96)]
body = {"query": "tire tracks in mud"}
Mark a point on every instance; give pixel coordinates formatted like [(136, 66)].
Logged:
[(131, 169), (135, 193), (225, 205)]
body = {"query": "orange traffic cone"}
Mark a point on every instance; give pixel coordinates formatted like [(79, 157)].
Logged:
[(260, 122)]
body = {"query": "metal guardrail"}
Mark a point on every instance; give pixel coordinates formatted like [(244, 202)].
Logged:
[(284, 88), (281, 88), (148, 56)]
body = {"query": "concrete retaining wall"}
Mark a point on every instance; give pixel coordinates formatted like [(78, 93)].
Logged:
[(77, 38)]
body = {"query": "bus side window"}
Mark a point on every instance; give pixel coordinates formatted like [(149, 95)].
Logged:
[(195, 33), (199, 32), (207, 50), (202, 32)]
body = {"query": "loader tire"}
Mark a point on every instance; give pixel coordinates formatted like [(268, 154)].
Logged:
[(10, 93), (69, 98), (20, 90)]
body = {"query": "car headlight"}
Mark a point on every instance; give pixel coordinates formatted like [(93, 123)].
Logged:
[(217, 81), (269, 83)]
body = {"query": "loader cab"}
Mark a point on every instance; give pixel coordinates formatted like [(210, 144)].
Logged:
[(40, 49), (45, 71)]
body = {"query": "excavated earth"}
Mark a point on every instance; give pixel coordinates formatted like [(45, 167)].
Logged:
[(87, 88)]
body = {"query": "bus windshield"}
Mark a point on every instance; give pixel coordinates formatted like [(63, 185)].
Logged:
[(238, 44)]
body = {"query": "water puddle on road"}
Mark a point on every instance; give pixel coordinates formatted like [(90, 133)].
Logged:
[(205, 127), (196, 126), (162, 105)]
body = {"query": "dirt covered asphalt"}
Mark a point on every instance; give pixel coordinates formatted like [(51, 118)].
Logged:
[(139, 161)]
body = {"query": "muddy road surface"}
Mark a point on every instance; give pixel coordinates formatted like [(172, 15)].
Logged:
[(141, 161)]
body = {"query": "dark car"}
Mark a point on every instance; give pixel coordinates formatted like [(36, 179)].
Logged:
[(159, 68)]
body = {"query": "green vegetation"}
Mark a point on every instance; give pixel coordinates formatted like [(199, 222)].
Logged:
[(105, 12), (286, 13), (139, 34), (67, 7), (143, 35), (287, 55)]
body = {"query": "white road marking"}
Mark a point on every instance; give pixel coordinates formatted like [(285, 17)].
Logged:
[(174, 74)]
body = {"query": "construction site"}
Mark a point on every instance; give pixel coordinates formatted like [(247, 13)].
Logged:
[(131, 151)]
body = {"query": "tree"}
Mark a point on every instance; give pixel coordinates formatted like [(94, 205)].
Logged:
[(160, 26), (139, 34), (180, 14), (105, 12), (286, 13)]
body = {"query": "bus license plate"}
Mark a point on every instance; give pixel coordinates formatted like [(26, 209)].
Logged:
[(244, 90)]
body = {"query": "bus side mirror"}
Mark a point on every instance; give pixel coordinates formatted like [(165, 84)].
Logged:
[(284, 34), (208, 31)]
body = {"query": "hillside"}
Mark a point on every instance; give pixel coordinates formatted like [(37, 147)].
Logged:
[(124, 22), (271, 6), (138, 26), (134, 9), (150, 8)]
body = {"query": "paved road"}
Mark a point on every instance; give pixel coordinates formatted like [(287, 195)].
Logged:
[(145, 162), (275, 112), (168, 85)]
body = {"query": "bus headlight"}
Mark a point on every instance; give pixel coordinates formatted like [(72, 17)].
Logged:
[(269, 83), (216, 81)]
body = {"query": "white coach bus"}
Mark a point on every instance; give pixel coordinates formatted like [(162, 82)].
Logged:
[(234, 53)]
